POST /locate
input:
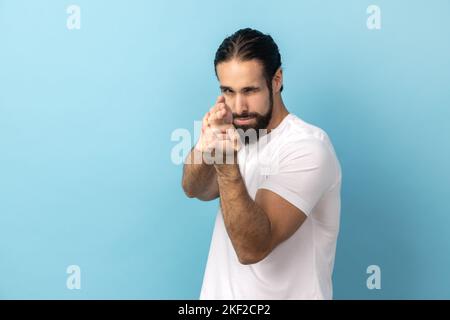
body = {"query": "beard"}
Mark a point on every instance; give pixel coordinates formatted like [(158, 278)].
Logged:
[(251, 133)]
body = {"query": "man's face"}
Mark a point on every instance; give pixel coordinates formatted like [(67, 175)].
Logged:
[(246, 92)]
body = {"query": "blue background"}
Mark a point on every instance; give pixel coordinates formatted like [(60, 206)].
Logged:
[(86, 118)]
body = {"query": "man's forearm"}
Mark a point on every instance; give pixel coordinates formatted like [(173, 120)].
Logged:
[(198, 177), (247, 224)]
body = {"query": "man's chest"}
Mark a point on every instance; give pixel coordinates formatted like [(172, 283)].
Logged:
[(256, 165)]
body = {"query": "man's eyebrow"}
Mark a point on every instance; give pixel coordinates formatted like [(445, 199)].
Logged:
[(225, 87), (243, 89), (250, 88)]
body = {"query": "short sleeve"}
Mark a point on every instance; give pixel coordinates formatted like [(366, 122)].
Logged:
[(305, 171)]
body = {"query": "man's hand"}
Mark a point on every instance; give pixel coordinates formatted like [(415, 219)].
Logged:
[(218, 136)]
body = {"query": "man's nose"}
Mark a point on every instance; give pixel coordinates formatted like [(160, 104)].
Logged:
[(240, 104)]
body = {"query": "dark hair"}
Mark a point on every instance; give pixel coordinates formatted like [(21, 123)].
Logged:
[(247, 44)]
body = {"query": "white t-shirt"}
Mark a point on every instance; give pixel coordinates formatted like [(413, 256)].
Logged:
[(297, 161)]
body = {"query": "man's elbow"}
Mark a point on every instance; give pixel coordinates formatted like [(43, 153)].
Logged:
[(187, 191), (203, 197), (252, 257)]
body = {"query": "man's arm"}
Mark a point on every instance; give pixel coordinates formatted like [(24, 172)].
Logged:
[(257, 226), (199, 179)]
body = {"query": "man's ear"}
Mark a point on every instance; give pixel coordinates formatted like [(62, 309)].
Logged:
[(277, 80)]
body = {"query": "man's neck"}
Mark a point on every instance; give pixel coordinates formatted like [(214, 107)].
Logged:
[(279, 112)]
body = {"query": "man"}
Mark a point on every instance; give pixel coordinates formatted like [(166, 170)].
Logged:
[(276, 229)]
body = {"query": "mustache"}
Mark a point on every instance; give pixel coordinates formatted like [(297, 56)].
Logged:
[(246, 115)]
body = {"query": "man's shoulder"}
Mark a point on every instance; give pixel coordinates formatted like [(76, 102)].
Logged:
[(305, 144), (298, 131)]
